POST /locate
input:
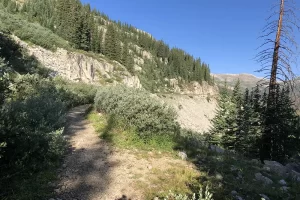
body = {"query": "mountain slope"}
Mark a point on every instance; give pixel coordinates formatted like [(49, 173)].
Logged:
[(91, 31)]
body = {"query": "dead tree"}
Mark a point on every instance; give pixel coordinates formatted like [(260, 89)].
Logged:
[(277, 56)]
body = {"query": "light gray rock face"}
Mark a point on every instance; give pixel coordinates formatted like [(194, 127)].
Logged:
[(265, 180), (193, 88), (79, 67)]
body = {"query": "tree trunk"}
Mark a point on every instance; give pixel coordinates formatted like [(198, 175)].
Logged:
[(273, 79)]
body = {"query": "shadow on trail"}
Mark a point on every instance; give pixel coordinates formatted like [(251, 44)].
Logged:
[(85, 173)]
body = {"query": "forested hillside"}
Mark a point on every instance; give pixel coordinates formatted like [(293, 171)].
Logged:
[(90, 30)]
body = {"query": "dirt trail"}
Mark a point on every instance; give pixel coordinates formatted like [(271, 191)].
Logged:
[(94, 170)]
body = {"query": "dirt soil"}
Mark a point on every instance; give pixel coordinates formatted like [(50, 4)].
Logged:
[(194, 111), (94, 170)]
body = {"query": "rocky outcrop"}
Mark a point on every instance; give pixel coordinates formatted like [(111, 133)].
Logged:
[(193, 88), (76, 66)]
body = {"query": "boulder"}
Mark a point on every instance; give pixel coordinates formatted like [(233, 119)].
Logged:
[(182, 155), (234, 193), (276, 167), (282, 182), (293, 166), (265, 180)]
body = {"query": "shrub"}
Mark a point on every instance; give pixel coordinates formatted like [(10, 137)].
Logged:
[(138, 108), (71, 94), (202, 195), (32, 32), (29, 131)]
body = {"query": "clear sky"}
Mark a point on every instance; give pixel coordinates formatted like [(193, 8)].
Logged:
[(222, 33)]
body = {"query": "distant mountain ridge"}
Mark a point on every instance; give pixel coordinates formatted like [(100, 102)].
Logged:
[(246, 80)]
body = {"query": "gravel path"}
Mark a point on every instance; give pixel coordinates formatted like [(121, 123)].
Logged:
[(94, 170), (90, 171)]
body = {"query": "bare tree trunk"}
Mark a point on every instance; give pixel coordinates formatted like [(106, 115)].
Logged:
[(273, 79)]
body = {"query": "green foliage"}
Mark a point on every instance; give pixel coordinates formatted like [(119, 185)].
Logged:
[(4, 80), (112, 44), (28, 128), (202, 195), (32, 118), (248, 126), (83, 29), (32, 32), (116, 131), (138, 108)]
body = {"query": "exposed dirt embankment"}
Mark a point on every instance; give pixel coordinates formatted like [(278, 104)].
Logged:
[(194, 111)]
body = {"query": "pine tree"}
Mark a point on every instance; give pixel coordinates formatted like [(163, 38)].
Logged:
[(112, 44), (125, 53), (219, 122), (229, 139)]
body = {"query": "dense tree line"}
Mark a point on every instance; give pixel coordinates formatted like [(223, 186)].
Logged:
[(243, 120), (91, 30)]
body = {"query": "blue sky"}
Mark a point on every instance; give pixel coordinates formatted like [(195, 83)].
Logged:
[(222, 33)]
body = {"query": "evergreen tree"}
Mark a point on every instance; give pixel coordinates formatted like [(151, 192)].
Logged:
[(219, 122), (229, 139), (112, 44)]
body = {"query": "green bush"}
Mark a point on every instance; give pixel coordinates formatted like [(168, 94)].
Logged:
[(138, 108), (32, 32), (29, 131), (71, 94), (74, 94)]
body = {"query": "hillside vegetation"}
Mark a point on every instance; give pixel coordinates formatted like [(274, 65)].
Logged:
[(222, 163), (90, 30)]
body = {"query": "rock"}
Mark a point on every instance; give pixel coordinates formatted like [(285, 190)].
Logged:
[(76, 66), (234, 193), (57, 190), (284, 188), (219, 176), (156, 198), (255, 161), (64, 165), (216, 149), (266, 168), (239, 198), (293, 167), (276, 167), (284, 171), (264, 197), (263, 179), (149, 167), (182, 155), (282, 182), (233, 168), (294, 175)]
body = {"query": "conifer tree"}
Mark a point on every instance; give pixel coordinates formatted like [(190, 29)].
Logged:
[(229, 139), (219, 122), (112, 44)]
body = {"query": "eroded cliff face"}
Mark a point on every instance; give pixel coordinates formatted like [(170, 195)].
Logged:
[(76, 66), (194, 88)]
